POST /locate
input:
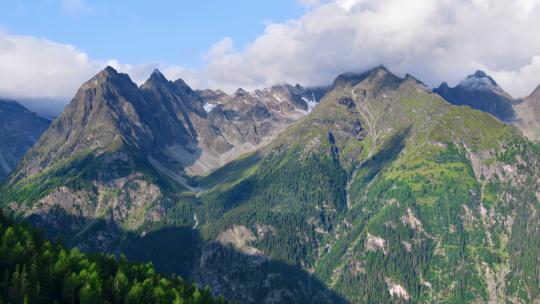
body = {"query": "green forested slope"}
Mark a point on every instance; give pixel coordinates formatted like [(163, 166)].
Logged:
[(385, 193), (388, 194), (35, 270)]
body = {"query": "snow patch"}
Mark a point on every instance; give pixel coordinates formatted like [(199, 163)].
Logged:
[(196, 221), (311, 104), (209, 106)]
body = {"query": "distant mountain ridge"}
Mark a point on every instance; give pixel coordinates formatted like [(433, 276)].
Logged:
[(19, 130), (481, 92)]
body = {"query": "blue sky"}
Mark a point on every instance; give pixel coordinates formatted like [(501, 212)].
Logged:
[(178, 32)]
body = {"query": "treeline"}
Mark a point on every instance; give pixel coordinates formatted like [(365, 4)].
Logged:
[(34, 270)]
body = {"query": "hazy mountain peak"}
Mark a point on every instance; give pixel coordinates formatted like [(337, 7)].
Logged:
[(480, 81), (240, 92), (481, 92), (19, 130), (479, 74)]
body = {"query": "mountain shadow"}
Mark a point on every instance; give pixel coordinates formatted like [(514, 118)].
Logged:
[(236, 275)]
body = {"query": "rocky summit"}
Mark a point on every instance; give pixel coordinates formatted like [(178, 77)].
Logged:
[(372, 190)]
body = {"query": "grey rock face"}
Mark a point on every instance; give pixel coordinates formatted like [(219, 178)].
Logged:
[(120, 158)]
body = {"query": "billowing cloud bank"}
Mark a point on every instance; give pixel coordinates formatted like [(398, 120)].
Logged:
[(434, 40)]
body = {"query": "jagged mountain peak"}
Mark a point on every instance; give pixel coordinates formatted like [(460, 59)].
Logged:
[(158, 76), (156, 79), (107, 72), (109, 77)]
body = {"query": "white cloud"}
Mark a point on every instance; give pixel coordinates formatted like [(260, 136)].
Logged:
[(37, 68), (224, 47), (435, 40), (524, 79)]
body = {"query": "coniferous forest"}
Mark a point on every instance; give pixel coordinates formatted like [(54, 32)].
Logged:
[(35, 270)]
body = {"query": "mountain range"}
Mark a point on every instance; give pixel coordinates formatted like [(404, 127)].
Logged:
[(374, 189)]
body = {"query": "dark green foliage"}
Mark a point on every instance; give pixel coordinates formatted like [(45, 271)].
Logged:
[(35, 270), (290, 190)]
